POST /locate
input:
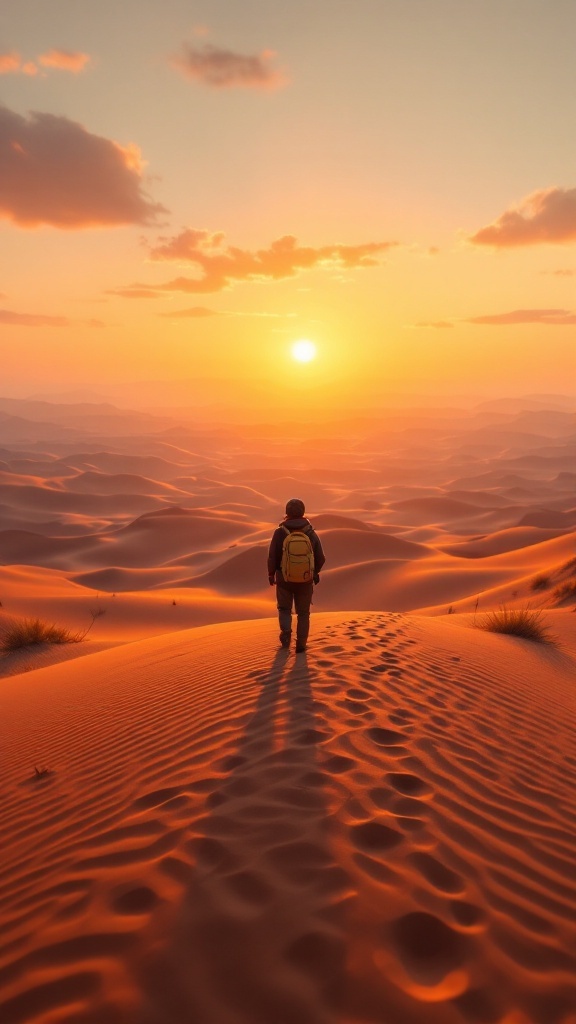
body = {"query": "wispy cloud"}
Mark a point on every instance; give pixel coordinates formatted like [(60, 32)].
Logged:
[(65, 60), (224, 69), (10, 63), (194, 312), (204, 311), (544, 217), (74, 61), (134, 291), (53, 171), (9, 317), (553, 317), (563, 272), (556, 317), (217, 265)]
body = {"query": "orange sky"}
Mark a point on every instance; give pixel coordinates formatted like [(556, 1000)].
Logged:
[(185, 192)]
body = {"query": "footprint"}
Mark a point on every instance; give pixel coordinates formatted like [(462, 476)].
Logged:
[(407, 807), (373, 835), (427, 947), (138, 900), (211, 853), (437, 702), (466, 914), (175, 868), (385, 737), (409, 785), (439, 720), (440, 876), (380, 797), (356, 707), (230, 763)]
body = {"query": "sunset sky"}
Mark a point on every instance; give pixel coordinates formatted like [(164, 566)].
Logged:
[(187, 188)]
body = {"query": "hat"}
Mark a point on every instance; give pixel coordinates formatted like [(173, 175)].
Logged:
[(295, 508)]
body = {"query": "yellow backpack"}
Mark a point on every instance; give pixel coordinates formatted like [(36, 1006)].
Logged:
[(297, 557)]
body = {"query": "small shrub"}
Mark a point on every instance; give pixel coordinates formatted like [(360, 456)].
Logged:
[(565, 590), (523, 622), (570, 564), (25, 632), (540, 582)]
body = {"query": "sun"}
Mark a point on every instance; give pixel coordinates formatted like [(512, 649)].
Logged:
[(304, 351)]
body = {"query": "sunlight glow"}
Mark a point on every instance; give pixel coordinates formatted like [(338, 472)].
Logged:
[(304, 350)]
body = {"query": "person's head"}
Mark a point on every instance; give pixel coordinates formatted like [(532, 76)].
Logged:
[(295, 508)]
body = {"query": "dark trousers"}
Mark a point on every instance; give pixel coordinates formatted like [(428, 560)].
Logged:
[(301, 595)]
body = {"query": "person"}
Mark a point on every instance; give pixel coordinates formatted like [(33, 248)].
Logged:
[(289, 593)]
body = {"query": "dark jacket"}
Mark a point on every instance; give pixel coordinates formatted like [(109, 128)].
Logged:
[(275, 552)]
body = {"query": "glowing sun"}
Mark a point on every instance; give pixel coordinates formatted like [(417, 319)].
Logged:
[(303, 351)]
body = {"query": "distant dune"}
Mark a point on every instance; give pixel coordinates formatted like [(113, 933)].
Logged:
[(201, 828)]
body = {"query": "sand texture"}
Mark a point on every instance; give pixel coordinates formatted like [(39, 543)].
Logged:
[(381, 829), (198, 827)]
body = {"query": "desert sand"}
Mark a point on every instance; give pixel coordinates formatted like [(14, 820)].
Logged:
[(201, 828)]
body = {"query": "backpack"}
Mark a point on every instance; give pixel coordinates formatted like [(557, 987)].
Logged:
[(297, 557)]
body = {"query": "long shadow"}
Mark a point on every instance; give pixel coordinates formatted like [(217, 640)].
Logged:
[(258, 937)]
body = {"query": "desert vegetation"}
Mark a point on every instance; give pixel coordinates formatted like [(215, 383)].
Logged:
[(526, 623), (18, 633)]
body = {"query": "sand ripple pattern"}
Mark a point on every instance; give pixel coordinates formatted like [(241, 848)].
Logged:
[(380, 830)]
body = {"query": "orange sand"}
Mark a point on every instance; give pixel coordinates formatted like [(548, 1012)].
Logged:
[(380, 831)]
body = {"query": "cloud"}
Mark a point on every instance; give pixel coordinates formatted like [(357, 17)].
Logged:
[(544, 217), (195, 311), (9, 317), (202, 311), (223, 69), (557, 317), (61, 60), (53, 171), (218, 265), (10, 63), (560, 273), (134, 291), (64, 60)]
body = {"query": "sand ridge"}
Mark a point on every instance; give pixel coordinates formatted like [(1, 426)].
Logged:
[(231, 833), (418, 511)]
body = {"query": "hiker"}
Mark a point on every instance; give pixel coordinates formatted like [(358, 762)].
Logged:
[(295, 559)]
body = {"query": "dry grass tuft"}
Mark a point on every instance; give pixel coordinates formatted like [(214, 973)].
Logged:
[(540, 582), (566, 591), (25, 632), (523, 622)]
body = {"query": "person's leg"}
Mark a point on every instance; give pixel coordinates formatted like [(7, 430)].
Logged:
[(284, 602), (302, 602)]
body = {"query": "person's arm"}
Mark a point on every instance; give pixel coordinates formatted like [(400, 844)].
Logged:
[(319, 557), (274, 557)]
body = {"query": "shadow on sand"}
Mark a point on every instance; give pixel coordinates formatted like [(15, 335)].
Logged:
[(258, 936)]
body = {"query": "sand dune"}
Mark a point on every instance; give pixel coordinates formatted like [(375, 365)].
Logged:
[(500, 541), (228, 833), (379, 830), (398, 516)]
